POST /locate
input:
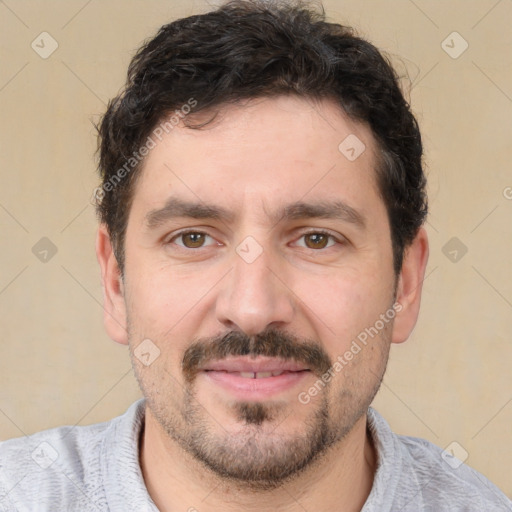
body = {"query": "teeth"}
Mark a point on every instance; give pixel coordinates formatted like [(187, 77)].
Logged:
[(259, 375), (263, 375)]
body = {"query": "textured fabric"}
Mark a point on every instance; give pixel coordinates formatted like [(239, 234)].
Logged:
[(95, 468)]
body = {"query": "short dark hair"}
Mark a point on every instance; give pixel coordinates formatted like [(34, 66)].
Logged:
[(254, 49)]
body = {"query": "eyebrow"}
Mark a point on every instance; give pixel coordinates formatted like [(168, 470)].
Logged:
[(179, 208)]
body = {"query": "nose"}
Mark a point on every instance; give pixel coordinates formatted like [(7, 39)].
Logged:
[(255, 295)]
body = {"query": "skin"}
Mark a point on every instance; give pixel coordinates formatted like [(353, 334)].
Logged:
[(253, 160)]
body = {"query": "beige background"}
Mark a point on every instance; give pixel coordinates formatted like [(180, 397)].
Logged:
[(450, 382)]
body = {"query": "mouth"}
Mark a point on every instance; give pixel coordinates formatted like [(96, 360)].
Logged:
[(254, 378), (254, 365), (257, 375)]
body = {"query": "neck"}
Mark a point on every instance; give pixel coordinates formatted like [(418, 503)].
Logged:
[(340, 480)]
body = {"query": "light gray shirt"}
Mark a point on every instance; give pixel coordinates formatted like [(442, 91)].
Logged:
[(96, 468)]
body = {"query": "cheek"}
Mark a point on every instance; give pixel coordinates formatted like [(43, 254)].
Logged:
[(167, 306), (148, 298), (343, 305), (159, 296)]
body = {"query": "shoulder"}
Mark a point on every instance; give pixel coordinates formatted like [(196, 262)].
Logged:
[(423, 476), (57, 469), (51, 465), (447, 480)]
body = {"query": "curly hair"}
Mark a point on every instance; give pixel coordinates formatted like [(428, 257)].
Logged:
[(253, 49)]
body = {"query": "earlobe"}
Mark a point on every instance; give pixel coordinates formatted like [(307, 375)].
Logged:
[(409, 287), (114, 308)]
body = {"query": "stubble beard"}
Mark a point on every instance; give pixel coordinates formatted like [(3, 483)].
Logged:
[(258, 456)]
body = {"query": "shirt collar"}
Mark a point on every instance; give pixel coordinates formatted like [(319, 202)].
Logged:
[(122, 476), (389, 463)]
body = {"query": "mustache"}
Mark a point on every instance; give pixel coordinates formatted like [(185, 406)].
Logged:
[(270, 343)]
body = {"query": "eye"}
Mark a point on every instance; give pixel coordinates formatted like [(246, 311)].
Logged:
[(190, 239), (318, 240), (314, 240)]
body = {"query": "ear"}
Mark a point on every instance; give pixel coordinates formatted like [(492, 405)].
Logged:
[(409, 287), (114, 308)]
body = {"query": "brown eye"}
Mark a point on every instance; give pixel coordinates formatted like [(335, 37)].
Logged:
[(193, 240), (190, 239), (317, 240)]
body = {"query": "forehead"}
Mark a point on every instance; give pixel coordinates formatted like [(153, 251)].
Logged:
[(263, 155)]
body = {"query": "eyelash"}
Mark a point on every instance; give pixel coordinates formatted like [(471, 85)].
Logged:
[(198, 232)]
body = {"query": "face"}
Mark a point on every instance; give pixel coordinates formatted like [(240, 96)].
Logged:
[(257, 254)]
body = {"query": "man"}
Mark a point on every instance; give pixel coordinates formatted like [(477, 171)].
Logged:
[(261, 246)]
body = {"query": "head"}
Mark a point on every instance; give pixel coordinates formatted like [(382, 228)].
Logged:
[(262, 198)]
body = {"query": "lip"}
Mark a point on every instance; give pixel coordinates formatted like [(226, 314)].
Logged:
[(257, 364), (226, 374)]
